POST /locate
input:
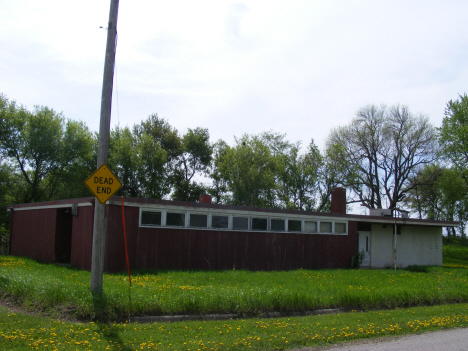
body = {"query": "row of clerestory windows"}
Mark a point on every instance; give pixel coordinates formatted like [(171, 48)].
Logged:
[(163, 218)]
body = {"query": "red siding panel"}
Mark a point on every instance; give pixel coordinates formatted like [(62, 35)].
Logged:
[(33, 234), (82, 237), (114, 258), (184, 248)]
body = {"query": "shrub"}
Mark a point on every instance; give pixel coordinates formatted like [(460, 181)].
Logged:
[(357, 259), (4, 242), (418, 269)]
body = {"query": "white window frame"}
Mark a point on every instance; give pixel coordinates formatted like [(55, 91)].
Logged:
[(163, 217), (210, 220), (341, 222), (187, 218), (296, 220), (277, 218), (198, 213), (249, 223), (316, 226), (320, 227), (251, 218)]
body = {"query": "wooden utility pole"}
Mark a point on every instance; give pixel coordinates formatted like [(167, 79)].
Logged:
[(99, 233)]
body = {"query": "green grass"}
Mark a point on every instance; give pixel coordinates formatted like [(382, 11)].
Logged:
[(58, 290), (456, 254), (22, 332), (64, 291)]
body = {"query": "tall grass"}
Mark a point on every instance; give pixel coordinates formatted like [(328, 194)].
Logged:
[(59, 289)]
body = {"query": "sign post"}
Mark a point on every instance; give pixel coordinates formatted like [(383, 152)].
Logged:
[(103, 184), (97, 259)]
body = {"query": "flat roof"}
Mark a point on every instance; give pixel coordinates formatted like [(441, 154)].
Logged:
[(138, 202)]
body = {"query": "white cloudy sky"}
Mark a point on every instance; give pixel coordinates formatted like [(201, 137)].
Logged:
[(295, 67)]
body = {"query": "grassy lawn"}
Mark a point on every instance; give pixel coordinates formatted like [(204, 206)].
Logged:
[(21, 332), (61, 289), (456, 254), (440, 292)]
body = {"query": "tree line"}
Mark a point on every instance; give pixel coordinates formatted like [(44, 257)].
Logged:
[(386, 157)]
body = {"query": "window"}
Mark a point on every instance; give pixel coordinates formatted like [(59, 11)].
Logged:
[(340, 228), (325, 227), (205, 219), (310, 226), (277, 225), (259, 223), (198, 220), (240, 223), (175, 219), (221, 222), (294, 226), (150, 218)]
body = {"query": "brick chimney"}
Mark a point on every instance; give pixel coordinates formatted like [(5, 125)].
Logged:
[(204, 199), (338, 200)]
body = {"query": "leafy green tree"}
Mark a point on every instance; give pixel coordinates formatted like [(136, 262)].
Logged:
[(163, 133), (219, 187), (250, 171), (159, 149), (6, 184), (381, 149), (440, 194), (300, 178), (194, 160), (453, 139), (78, 150), (46, 151), (43, 157), (333, 171), (453, 135), (266, 170), (153, 161), (139, 162), (124, 160), (152, 171), (41, 148)]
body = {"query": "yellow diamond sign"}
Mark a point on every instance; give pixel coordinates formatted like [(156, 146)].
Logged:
[(103, 183)]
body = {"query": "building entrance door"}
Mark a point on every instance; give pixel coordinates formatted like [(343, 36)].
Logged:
[(63, 235), (364, 246)]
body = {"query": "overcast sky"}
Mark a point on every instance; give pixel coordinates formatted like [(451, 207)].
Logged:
[(294, 67)]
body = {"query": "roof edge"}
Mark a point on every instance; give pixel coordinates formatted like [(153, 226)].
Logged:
[(116, 200)]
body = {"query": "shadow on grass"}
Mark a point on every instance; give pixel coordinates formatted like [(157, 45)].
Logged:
[(418, 269), (100, 307), (109, 332), (103, 311)]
